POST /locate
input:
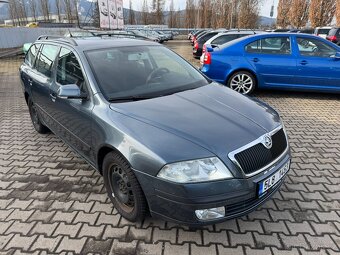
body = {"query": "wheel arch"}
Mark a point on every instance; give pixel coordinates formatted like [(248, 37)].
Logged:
[(103, 151), (242, 69)]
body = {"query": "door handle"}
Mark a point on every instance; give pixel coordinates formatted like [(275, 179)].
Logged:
[(303, 62), (53, 96), (256, 60)]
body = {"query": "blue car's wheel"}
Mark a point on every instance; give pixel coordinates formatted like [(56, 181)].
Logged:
[(243, 82)]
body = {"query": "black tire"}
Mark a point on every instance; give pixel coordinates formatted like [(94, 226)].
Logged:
[(128, 197), (38, 126), (243, 88)]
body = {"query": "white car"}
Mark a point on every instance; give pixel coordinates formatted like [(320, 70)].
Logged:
[(322, 31), (225, 37)]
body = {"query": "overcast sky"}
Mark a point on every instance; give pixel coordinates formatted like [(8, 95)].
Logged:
[(264, 11)]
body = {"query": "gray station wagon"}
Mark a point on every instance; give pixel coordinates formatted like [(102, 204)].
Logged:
[(167, 140)]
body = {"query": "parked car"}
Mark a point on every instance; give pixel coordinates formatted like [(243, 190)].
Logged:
[(307, 31), (191, 33), (275, 61), (166, 139), (162, 35), (198, 44), (196, 35), (222, 38), (170, 34), (145, 34), (280, 30), (334, 35), (322, 31)]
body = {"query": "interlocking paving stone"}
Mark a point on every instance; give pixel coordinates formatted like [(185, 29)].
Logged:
[(52, 202)]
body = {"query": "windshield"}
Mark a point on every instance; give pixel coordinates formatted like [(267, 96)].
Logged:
[(142, 71)]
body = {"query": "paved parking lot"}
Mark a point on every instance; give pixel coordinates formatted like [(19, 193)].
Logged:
[(51, 201)]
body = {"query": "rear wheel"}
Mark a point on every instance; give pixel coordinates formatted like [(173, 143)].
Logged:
[(38, 126), (123, 187), (243, 82)]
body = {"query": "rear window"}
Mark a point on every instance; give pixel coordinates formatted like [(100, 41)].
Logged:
[(334, 31), (323, 31), (224, 39)]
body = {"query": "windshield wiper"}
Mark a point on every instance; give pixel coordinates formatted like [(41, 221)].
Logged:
[(128, 98)]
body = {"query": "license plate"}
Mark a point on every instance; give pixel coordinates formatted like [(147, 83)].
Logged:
[(273, 179)]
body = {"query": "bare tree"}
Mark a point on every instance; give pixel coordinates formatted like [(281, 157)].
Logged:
[(18, 12), (157, 9), (131, 14), (76, 10), (13, 12), (58, 8), (45, 9), (145, 12), (298, 14), (337, 15), (190, 10), (68, 9), (23, 10), (171, 14), (33, 7), (248, 13), (321, 12), (283, 9)]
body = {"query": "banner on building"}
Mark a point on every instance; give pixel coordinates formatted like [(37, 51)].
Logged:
[(111, 14)]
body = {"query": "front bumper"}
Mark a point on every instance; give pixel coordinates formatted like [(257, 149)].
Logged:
[(178, 202)]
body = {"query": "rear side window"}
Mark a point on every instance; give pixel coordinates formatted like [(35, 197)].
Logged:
[(270, 45), (207, 37), (31, 54), (332, 31), (224, 39), (46, 59), (69, 70)]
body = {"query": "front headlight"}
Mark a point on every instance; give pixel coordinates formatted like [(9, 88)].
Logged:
[(200, 170)]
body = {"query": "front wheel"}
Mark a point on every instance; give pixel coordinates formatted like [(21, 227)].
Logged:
[(123, 188), (242, 82), (38, 126)]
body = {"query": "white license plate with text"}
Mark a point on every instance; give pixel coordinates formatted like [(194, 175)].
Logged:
[(273, 179)]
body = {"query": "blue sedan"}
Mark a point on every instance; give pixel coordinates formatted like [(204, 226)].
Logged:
[(275, 61)]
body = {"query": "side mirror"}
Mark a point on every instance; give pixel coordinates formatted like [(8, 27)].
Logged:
[(71, 91), (209, 48), (336, 55)]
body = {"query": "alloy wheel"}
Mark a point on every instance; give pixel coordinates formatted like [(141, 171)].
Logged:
[(242, 83)]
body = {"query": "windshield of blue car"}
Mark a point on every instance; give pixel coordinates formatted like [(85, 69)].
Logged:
[(142, 71)]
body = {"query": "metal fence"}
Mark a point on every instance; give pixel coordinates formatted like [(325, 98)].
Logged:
[(16, 36)]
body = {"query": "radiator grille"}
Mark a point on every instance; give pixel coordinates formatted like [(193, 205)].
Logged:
[(258, 156)]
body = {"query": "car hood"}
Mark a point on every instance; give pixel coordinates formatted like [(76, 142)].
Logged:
[(212, 116)]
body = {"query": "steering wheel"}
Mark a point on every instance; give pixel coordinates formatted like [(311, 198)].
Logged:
[(158, 71)]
